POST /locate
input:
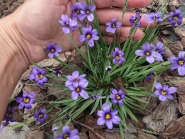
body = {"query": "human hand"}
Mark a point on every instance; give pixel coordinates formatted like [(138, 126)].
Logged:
[(35, 22)]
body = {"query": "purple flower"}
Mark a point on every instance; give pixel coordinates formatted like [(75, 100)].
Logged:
[(3, 125), (76, 10), (148, 77), (148, 52), (111, 26), (89, 34), (40, 115), (68, 134), (67, 24), (87, 12), (8, 117), (107, 116), (159, 48), (53, 49), (164, 92), (55, 129), (38, 75), (135, 20), (108, 68), (26, 101), (96, 97), (178, 63), (175, 17), (118, 56), (58, 72), (75, 79), (117, 96), (78, 90), (154, 17)]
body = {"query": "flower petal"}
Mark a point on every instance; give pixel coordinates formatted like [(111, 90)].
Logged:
[(74, 95), (139, 53), (84, 94), (181, 70), (100, 113), (106, 107), (101, 121), (65, 130), (31, 95), (19, 99), (109, 124), (116, 120), (158, 86), (162, 98)]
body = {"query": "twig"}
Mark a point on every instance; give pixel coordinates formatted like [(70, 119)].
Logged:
[(90, 128)]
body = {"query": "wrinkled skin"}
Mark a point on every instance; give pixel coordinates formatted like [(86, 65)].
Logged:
[(35, 20)]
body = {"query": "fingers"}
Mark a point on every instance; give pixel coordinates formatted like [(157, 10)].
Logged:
[(109, 39), (120, 3), (124, 32), (106, 15)]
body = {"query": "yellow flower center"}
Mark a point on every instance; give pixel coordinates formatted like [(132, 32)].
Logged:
[(163, 92), (88, 36), (77, 11), (87, 12), (175, 18), (26, 100), (107, 116), (40, 115), (181, 62), (147, 53), (40, 76), (78, 89), (118, 97), (117, 57), (52, 50), (66, 136)]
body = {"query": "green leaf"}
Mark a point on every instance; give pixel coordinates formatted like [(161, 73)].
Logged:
[(18, 125), (82, 108), (95, 106), (130, 113)]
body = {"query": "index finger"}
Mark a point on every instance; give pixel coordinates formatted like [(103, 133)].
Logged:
[(119, 3)]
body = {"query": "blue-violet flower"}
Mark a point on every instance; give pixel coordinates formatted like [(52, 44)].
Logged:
[(38, 75), (135, 20), (89, 34), (107, 116), (159, 48), (164, 92), (53, 49), (87, 11), (178, 63), (149, 53), (75, 79), (118, 56), (26, 101), (68, 134), (76, 10), (154, 17), (148, 77), (40, 116), (111, 26), (68, 24), (117, 96), (175, 17), (78, 90)]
